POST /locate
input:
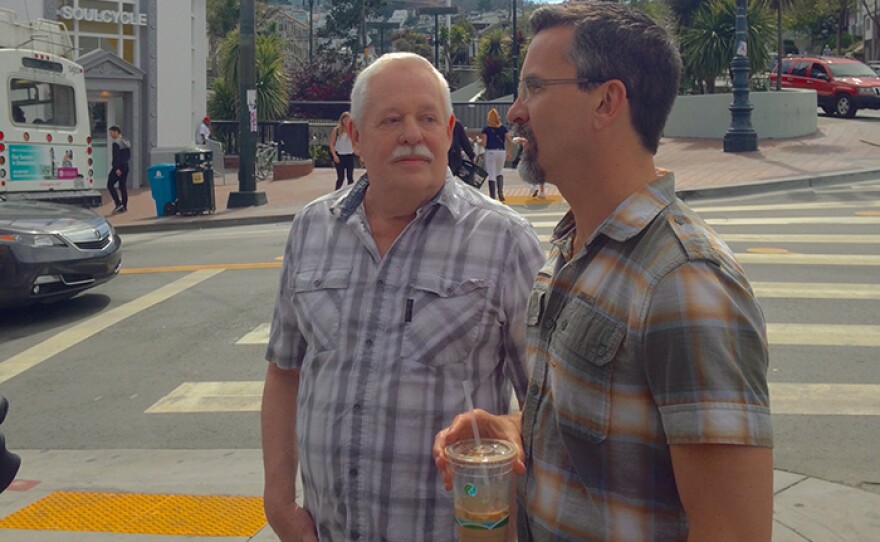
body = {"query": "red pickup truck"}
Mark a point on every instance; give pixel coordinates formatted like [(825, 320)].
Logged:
[(842, 85)]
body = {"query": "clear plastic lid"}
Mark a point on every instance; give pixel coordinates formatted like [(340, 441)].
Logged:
[(489, 452)]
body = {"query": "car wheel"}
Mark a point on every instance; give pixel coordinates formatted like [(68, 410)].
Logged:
[(830, 111), (845, 106)]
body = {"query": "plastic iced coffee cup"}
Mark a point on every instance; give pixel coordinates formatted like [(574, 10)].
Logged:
[(481, 486)]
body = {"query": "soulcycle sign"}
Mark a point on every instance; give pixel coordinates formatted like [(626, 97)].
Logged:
[(102, 16)]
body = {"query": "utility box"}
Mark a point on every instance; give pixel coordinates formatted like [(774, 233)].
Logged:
[(293, 138), (195, 182), (163, 186)]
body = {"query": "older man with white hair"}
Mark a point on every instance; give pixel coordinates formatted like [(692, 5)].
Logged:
[(393, 292)]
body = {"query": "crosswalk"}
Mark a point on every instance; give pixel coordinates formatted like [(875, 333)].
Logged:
[(779, 242)]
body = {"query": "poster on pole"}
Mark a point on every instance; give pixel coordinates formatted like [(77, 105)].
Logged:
[(252, 108)]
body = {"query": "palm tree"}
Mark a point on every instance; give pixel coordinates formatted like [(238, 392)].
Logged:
[(708, 44)]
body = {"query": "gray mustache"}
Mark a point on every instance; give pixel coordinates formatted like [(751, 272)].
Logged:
[(406, 151)]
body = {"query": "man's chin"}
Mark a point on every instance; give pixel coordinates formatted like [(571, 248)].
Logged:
[(531, 173)]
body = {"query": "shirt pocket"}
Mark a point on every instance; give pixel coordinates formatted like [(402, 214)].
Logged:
[(445, 320), (317, 300), (583, 347)]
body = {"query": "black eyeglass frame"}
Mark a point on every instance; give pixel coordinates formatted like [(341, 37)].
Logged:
[(524, 91)]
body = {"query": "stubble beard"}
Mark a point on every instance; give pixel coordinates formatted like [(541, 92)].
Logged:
[(530, 171)]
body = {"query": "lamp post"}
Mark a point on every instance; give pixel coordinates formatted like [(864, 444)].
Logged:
[(515, 56), (311, 28), (436, 12), (382, 26), (740, 136), (247, 195)]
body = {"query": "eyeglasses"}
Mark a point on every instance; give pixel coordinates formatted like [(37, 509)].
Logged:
[(527, 86)]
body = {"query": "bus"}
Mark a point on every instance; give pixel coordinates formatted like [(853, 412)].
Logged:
[(45, 142)]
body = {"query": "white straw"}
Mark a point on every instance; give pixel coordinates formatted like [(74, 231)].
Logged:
[(468, 390)]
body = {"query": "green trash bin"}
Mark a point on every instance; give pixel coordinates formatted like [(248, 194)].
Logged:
[(195, 182)]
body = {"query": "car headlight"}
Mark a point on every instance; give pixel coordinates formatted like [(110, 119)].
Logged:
[(31, 239), (866, 90)]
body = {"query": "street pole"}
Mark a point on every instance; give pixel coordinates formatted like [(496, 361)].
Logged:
[(515, 56), (741, 137), (311, 28), (436, 40), (436, 12), (247, 196)]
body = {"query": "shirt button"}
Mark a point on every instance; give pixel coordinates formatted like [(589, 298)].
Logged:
[(533, 389), (369, 342), (357, 407), (380, 283), (355, 535), (449, 290), (353, 472), (548, 323)]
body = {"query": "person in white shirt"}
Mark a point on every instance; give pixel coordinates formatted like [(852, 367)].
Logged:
[(203, 132), (342, 150)]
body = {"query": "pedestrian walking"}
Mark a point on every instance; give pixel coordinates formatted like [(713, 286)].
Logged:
[(203, 132), (648, 416), (394, 290), (342, 150), (460, 144), (495, 138), (121, 156)]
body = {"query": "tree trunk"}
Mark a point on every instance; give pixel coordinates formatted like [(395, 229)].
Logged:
[(780, 53)]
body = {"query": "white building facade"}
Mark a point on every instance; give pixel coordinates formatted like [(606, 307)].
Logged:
[(145, 66)]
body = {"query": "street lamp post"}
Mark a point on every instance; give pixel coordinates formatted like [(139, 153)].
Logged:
[(436, 12), (515, 56), (247, 195), (740, 136), (382, 26), (311, 28)]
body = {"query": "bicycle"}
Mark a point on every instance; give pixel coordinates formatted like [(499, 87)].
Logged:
[(266, 153)]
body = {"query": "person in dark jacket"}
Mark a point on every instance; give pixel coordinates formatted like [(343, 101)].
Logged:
[(119, 170), (460, 142)]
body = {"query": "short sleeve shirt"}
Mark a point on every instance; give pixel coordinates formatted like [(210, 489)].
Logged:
[(383, 345), (495, 138), (649, 336)]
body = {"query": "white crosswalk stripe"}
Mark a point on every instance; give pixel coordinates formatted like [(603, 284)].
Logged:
[(788, 398)]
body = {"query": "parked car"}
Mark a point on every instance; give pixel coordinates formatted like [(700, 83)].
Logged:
[(842, 85), (50, 252)]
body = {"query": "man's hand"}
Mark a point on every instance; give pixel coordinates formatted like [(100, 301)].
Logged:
[(505, 427), (335, 159), (292, 523)]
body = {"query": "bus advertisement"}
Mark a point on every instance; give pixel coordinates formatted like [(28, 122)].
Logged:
[(45, 144)]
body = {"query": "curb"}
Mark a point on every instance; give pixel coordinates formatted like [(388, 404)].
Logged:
[(782, 184), (761, 187)]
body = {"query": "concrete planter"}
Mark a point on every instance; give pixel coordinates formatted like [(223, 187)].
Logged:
[(776, 115), (291, 169)]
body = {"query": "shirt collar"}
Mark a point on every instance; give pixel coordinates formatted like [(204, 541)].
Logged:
[(449, 196), (630, 217)]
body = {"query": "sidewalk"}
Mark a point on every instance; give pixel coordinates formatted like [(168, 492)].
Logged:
[(806, 509), (839, 152)]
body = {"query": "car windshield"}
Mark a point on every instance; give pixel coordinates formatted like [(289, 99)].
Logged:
[(851, 69)]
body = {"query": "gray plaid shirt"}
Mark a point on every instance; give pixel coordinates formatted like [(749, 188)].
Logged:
[(383, 345)]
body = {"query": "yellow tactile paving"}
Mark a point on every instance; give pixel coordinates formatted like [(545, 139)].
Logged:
[(138, 513)]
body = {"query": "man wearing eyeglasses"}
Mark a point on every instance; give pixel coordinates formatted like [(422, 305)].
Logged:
[(647, 413)]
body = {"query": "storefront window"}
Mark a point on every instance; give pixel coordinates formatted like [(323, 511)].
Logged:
[(103, 24)]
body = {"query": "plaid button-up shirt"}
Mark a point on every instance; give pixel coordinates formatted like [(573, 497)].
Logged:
[(384, 343), (649, 336)]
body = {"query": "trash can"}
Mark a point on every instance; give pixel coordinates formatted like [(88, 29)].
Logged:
[(163, 187), (195, 182), (293, 138)]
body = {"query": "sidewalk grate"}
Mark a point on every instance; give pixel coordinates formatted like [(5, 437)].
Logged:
[(134, 513)]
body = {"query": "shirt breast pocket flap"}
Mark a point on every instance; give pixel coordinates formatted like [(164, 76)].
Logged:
[(317, 298), (584, 344), (443, 323), (537, 298)]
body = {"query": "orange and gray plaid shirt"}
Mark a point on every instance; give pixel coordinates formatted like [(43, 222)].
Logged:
[(647, 337)]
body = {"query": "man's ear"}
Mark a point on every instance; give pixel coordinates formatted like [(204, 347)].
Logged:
[(612, 100), (450, 126)]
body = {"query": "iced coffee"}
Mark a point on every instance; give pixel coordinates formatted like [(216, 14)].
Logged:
[(481, 487)]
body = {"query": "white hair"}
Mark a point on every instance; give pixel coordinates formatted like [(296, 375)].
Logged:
[(359, 94)]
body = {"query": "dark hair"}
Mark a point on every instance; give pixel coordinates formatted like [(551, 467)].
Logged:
[(615, 41), (114, 128)]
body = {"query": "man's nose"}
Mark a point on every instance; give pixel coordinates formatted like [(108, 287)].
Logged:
[(517, 114), (411, 132)]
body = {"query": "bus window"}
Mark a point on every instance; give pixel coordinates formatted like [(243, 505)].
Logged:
[(43, 103)]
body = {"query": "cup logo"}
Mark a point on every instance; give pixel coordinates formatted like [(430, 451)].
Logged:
[(470, 489)]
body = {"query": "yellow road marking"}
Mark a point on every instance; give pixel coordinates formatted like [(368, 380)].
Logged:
[(200, 267), (867, 213), (137, 513), (74, 335)]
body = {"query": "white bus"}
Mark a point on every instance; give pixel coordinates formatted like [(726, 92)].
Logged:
[(45, 143)]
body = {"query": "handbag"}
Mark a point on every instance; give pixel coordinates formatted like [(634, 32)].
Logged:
[(472, 174)]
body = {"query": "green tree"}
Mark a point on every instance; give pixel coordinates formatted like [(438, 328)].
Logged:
[(708, 44), (345, 28), (271, 81), (495, 62), (778, 6), (410, 41)]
